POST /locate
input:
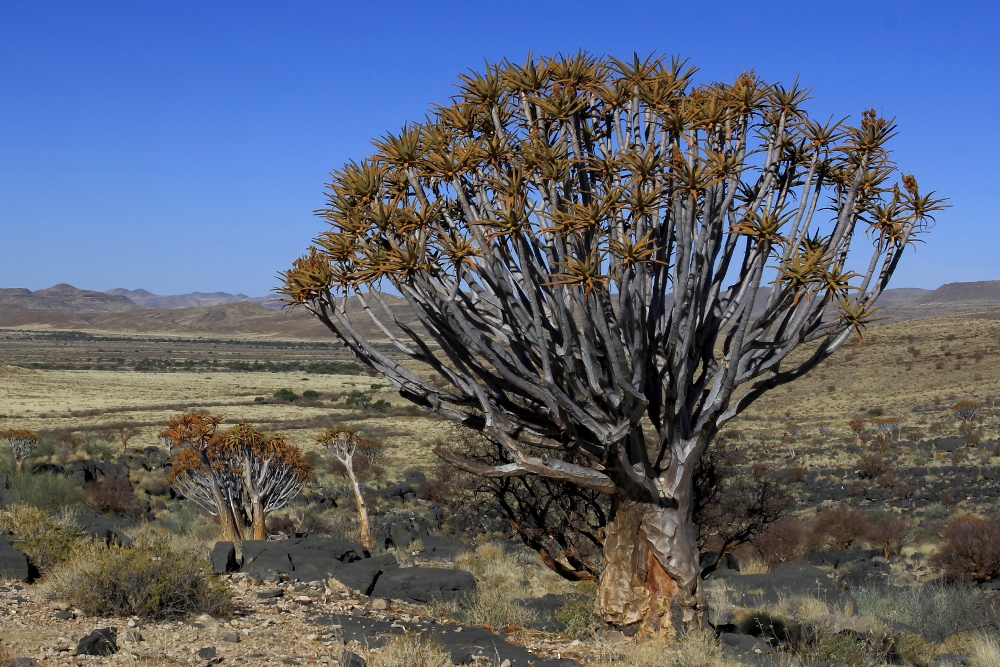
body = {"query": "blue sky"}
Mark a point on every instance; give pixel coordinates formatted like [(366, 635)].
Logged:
[(182, 146)]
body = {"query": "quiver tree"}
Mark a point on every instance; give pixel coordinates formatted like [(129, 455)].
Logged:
[(967, 411), (343, 444), (123, 432), (596, 250), (240, 475), (857, 426), (272, 471), (22, 442)]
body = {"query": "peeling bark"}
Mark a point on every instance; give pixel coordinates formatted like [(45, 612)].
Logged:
[(652, 580)]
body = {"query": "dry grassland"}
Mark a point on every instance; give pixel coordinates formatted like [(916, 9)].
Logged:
[(913, 370), (48, 400)]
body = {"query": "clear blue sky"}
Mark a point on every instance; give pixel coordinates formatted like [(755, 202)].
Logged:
[(182, 146)]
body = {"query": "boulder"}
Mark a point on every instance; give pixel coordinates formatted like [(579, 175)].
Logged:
[(315, 558), (223, 558), (13, 563), (421, 585), (100, 642), (950, 443)]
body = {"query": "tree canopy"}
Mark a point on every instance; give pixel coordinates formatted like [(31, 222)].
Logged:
[(587, 241)]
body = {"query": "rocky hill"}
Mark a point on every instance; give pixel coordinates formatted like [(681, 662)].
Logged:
[(65, 298)]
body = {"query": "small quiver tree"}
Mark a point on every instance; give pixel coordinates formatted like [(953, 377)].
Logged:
[(594, 247), (123, 432), (272, 471), (343, 444), (857, 426), (202, 475), (967, 411), (22, 442)]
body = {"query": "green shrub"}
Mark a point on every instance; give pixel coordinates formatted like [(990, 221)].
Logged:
[(311, 394), (151, 579), (44, 538), (46, 490), (286, 395), (357, 399), (258, 399), (381, 405), (578, 615), (937, 610)]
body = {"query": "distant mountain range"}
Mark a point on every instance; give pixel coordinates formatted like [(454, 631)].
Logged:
[(147, 299), (219, 313), (65, 298)]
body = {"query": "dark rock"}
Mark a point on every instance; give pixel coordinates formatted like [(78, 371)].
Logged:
[(740, 646), (64, 615), (110, 530), (864, 572), (13, 563), (21, 662), (441, 548), (270, 593), (949, 660), (361, 575), (351, 659), (308, 558), (471, 644), (545, 606), (207, 653), (708, 558), (421, 585), (99, 642), (787, 578), (132, 636), (231, 637), (223, 558), (949, 444)]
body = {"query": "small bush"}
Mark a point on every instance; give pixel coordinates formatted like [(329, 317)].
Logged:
[(44, 538), (971, 548), (780, 542), (112, 494), (46, 490), (937, 610), (578, 615), (795, 475), (889, 533), (402, 651), (357, 399), (837, 527), (151, 579), (285, 395), (871, 465), (310, 394)]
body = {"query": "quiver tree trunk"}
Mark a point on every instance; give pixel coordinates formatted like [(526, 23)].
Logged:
[(652, 578), (364, 527)]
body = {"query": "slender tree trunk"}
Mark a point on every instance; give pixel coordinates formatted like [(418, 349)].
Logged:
[(257, 508), (366, 533), (652, 580), (18, 461), (227, 522)]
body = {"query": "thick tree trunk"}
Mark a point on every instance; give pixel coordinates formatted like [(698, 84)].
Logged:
[(651, 582)]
